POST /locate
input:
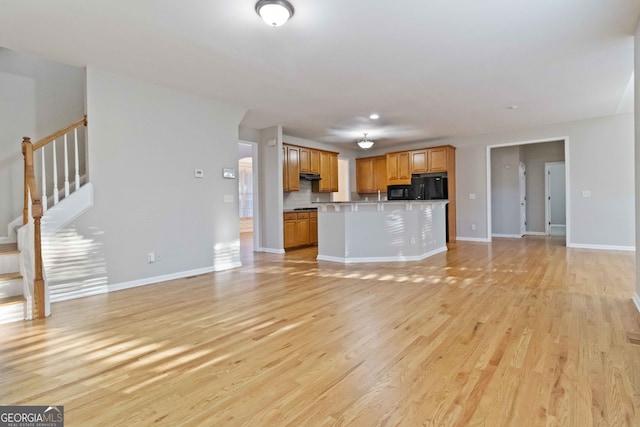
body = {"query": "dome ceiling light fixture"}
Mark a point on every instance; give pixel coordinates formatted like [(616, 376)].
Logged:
[(365, 143), (274, 12)]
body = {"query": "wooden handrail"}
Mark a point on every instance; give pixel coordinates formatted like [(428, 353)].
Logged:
[(44, 141)]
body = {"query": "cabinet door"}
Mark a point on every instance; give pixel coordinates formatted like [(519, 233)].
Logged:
[(437, 159), (324, 185), (290, 234), (392, 168), (285, 170), (419, 161), (315, 161), (404, 168), (305, 160), (313, 228), (334, 172), (302, 230), (293, 168), (380, 174), (365, 181)]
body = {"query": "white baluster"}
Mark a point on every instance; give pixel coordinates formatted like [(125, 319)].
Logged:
[(66, 168), (55, 174), (44, 183), (75, 136)]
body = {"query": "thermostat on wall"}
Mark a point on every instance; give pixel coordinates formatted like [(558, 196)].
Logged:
[(228, 173)]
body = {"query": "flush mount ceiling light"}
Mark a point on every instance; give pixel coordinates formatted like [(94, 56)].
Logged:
[(364, 143), (274, 12), (374, 116)]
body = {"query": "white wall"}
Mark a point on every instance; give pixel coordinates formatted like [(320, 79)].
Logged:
[(636, 116), (271, 205), (145, 142), (17, 119), (505, 191)]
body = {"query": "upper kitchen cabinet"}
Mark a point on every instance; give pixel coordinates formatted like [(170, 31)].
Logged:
[(371, 174), (309, 160), (438, 159), (328, 173), (398, 168), (429, 160), (290, 168)]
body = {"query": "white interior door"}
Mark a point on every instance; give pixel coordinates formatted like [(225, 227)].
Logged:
[(523, 199), (556, 215)]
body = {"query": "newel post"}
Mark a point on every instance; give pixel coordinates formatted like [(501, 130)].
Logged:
[(38, 280), (27, 154)]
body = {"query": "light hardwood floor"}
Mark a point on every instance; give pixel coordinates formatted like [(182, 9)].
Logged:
[(515, 333)]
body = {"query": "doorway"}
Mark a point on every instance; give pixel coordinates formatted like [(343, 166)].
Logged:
[(523, 198), (505, 200), (555, 199), (248, 212)]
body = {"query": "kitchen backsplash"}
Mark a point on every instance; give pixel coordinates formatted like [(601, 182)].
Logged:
[(304, 198)]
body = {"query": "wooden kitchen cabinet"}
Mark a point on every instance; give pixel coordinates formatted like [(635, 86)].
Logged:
[(290, 168), (305, 160), (438, 159), (371, 174), (328, 173), (300, 229), (398, 168), (314, 156), (419, 161), (313, 228)]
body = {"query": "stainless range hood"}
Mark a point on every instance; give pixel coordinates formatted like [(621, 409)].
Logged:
[(310, 176)]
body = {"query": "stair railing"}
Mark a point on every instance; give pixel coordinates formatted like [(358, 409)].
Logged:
[(35, 201)]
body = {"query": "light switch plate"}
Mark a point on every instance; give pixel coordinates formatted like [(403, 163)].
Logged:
[(228, 173), (228, 198), (586, 193)]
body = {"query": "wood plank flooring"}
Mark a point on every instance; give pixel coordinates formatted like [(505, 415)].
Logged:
[(513, 333)]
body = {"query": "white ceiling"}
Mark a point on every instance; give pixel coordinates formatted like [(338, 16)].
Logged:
[(430, 68)]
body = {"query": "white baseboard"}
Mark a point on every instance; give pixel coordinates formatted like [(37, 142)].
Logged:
[(535, 233), (158, 279), (601, 247), (7, 240), (508, 236), (381, 259), (636, 301), (472, 239), (271, 251)]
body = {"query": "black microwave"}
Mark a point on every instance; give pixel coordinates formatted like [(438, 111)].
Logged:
[(399, 192)]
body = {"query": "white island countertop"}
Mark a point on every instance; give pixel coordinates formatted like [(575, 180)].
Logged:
[(381, 231)]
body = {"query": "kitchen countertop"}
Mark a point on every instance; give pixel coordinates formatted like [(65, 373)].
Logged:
[(312, 209), (358, 202)]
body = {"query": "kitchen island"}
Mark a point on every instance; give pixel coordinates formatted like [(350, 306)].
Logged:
[(400, 230)]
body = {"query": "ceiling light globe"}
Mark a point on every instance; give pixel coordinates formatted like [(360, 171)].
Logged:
[(274, 12)]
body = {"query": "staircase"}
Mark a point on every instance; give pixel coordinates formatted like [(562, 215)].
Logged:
[(12, 301), (24, 293)]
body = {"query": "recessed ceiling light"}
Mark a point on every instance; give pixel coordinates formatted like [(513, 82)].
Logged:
[(513, 107), (374, 116)]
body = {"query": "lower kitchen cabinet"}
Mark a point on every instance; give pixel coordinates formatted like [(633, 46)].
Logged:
[(300, 229)]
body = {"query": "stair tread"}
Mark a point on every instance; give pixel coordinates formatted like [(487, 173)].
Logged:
[(18, 299), (8, 248), (5, 277)]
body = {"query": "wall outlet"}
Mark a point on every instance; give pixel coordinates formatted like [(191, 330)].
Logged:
[(586, 193), (198, 173), (473, 226), (151, 257)]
